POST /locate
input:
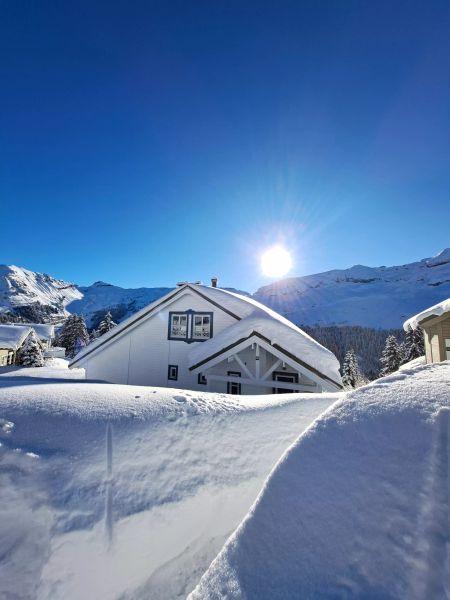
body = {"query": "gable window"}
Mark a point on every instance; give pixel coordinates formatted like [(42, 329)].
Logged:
[(172, 374), (178, 326), (190, 326), (201, 379), (232, 386), (202, 327)]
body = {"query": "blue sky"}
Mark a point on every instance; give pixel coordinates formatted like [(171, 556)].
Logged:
[(146, 142)]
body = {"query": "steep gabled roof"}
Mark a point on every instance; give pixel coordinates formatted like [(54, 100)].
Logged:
[(44, 331), (250, 315), (434, 311), (13, 336)]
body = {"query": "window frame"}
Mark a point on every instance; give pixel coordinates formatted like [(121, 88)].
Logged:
[(190, 316), (231, 383), (276, 374), (447, 348), (201, 379), (169, 377)]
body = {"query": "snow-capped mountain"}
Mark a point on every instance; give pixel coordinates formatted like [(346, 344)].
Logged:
[(34, 295), (380, 297)]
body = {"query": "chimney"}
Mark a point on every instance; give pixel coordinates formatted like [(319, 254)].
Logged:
[(214, 281)]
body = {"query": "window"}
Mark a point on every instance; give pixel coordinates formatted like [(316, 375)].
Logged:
[(178, 326), (190, 326), (202, 327), (232, 386), (173, 373), (447, 349), (285, 378), (201, 379)]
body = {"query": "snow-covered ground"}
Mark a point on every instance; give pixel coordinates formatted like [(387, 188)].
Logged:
[(111, 491), (358, 507)]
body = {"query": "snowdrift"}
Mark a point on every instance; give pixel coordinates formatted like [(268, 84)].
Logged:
[(110, 491), (358, 507)]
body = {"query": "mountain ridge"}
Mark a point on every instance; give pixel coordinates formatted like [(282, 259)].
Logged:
[(381, 297)]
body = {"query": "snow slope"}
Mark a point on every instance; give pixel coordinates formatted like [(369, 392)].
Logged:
[(21, 288), (110, 491), (380, 297), (358, 507)]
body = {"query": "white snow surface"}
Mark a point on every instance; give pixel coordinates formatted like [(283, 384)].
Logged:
[(44, 331), (358, 507), (11, 337), (434, 311), (112, 491)]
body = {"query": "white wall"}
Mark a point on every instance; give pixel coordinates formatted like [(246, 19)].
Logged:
[(142, 353)]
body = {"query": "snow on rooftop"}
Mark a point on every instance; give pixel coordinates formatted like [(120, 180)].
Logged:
[(44, 331), (254, 315), (356, 508), (436, 310), (116, 491), (12, 336)]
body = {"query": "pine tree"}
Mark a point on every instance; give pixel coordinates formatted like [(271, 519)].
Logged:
[(107, 324), (31, 354), (73, 336), (414, 344), (391, 358), (350, 369), (93, 335)]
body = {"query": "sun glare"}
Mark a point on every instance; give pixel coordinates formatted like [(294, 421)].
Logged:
[(276, 262)]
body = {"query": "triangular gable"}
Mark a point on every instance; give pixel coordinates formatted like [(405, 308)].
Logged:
[(147, 311)]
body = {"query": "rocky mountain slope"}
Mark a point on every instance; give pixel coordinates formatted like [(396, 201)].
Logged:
[(379, 297)]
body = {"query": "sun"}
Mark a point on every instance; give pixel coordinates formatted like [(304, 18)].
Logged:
[(276, 262)]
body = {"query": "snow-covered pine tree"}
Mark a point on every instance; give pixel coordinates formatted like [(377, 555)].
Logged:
[(350, 369), (93, 336), (391, 358), (73, 335), (30, 354), (414, 344), (107, 324)]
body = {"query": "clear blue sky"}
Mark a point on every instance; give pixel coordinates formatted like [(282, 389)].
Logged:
[(146, 142)]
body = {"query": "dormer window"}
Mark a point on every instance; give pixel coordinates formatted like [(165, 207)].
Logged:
[(178, 327), (202, 327), (190, 326)]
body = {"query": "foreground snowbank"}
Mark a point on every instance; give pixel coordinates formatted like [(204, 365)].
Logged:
[(110, 491), (357, 508)]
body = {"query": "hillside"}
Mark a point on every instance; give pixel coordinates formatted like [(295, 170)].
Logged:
[(380, 297), (356, 508)]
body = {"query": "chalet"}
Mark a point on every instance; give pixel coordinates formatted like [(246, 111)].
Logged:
[(12, 338), (45, 332), (206, 338), (435, 322)]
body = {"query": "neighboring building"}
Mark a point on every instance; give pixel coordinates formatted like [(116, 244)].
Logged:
[(206, 338), (435, 322), (45, 332), (12, 338)]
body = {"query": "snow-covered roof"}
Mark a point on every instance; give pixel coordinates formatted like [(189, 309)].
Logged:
[(255, 317), (250, 316), (434, 311), (44, 331), (13, 336)]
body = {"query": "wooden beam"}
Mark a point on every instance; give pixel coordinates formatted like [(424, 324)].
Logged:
[(257, 362), (294, 387), (243, 366), (271, 369)]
